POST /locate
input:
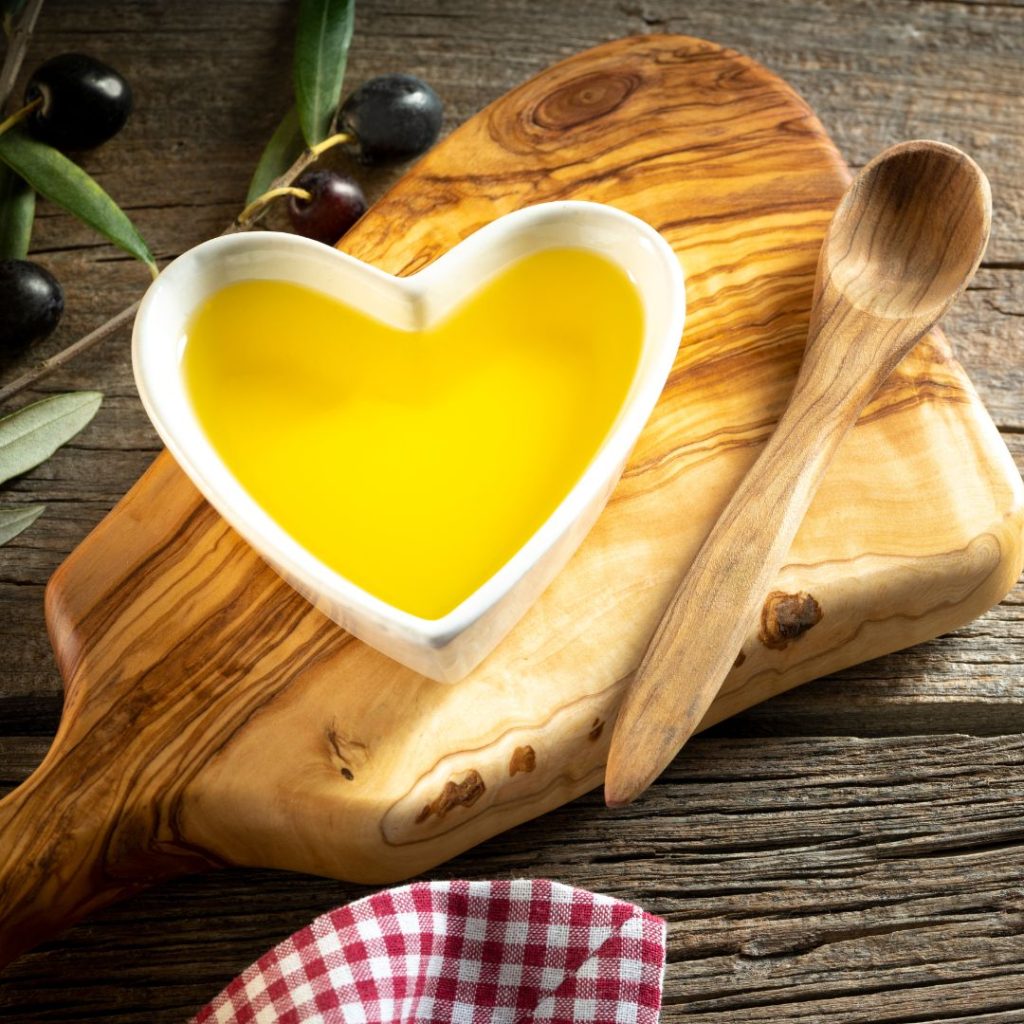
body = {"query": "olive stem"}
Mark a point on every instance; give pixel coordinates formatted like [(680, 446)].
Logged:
[(340, 139), (19, 115), (65, 355), (16, 50), (304, 160), (246, 217)]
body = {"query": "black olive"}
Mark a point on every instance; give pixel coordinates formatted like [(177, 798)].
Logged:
[(392, 117), (85, 102), (336, 202), (31, 303)]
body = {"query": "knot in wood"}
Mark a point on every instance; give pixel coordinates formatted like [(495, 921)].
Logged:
[(524, 759), (454, 794), (584, 99), (786, 617)]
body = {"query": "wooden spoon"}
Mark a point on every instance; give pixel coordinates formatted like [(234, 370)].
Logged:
[(904, 241)]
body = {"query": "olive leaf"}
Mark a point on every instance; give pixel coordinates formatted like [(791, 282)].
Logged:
[(321, 50), (53, 175), (32, 434), (17, 210), (14, 520), (9, 10), (284, 146)]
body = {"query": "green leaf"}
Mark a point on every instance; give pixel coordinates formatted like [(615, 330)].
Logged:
[(32, 434), (53, 175), (14, 520), (282, 150), (17, 210), (321, 50), (10, 9)]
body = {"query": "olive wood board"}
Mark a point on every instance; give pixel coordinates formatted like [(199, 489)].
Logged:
[(213, 717)]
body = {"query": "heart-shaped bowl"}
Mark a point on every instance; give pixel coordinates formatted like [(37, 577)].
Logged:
[(449, 647)]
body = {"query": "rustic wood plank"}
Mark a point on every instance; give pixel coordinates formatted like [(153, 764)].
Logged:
[(866, 881), (987, 325)]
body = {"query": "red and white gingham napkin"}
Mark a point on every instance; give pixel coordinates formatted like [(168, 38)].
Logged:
[(468, 952)]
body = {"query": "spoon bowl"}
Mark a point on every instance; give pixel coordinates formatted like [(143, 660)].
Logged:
[(896, 244)]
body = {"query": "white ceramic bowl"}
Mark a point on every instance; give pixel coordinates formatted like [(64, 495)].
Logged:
[(445, 648)]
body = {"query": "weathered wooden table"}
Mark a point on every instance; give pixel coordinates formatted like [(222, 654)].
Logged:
[(852, 851)]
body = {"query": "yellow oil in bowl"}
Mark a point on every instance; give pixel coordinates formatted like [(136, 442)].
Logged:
[(416, 464)]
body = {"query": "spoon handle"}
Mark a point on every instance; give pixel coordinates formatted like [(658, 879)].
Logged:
[(703, 629)]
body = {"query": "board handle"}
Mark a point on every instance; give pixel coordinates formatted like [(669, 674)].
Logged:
[(71, 841)]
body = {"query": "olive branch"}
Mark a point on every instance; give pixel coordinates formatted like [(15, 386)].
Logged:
[(29, 166)]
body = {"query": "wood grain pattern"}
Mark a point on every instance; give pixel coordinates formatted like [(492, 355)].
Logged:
[(901, 247), (749, 251)]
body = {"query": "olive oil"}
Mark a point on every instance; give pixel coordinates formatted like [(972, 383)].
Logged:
[(416, 464)]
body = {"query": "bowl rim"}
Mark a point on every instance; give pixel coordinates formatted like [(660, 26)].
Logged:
[(271, 541)]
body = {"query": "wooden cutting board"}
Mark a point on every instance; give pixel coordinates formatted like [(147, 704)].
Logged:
[(212, 717)]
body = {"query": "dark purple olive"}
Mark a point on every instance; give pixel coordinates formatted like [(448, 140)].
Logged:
[(392, 117), (336, 202), (31, 301), (85, 102)]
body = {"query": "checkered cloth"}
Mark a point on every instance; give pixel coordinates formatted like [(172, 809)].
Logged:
[(467, 952)]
